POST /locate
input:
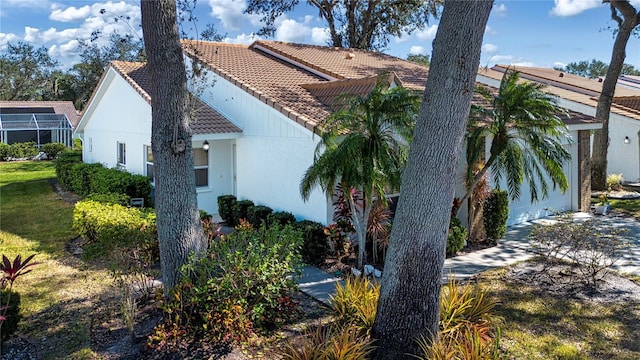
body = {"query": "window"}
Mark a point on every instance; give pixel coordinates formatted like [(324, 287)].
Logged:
[(149, 162), (201, 167), (122, 154)]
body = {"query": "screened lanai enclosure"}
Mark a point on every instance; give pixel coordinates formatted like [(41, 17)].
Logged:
[(40, 125)]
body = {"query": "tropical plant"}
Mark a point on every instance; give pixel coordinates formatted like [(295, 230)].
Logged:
[(364, 146), (10, 271), (526, 135)]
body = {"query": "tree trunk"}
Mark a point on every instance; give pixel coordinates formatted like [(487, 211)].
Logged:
[(179, 228), (409, 305), (601, 136)]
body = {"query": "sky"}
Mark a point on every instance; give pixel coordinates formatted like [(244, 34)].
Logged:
[(541, 33)]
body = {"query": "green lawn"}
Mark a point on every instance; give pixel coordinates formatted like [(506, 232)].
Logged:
[(631, 207), (59, 295)]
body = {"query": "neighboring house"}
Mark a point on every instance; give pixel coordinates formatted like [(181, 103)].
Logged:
[(268, 98), (40, 122), (581, 95)]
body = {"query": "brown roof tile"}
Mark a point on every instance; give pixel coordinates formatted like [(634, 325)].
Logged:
[(60, 107), (331, 93), (207, 120)]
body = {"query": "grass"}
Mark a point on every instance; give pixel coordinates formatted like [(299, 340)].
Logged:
[(58, 296), (538, 325), (631, 207)]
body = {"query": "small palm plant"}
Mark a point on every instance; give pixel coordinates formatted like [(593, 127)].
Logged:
[(526, 134), (364, 147)]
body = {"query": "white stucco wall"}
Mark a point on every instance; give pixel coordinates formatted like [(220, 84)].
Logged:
[(121, 115), (624, 158), (271, 155)]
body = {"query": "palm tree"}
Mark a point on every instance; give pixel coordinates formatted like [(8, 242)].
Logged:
[(526, 138), (364, 146)]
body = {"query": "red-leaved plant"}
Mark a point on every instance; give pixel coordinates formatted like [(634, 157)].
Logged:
[(9, 272)]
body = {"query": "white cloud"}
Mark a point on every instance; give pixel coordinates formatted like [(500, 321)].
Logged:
[(428, 33), (320, 35), (31, 34), (230, 13), (523, 63), (573, 7), (70, 14), (489, 30), (559, 64), (66, 50), (292, 31), (417, 50), (242, 39), (509, 60), (500, 10), (489, 48), (7, 38), (26, 3)]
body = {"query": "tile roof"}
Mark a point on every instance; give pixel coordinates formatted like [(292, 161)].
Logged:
[(287, 76), (568, 93), (207, 120), (331, 93), (60, 107)]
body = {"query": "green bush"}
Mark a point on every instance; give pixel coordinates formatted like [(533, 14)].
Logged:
[(258, 214), (110, 226), (82, 177), (52, 150), (314, 241), (242, 286), (23, 150), (225, 208), (240, 209), (281, 218), (495, 215), (12, 314), (111, 198), (5, 149), (64, 163), (456, 237)]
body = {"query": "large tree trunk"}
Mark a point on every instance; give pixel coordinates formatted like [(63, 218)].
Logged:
[(179, 228), (409, 304), (601, 137)]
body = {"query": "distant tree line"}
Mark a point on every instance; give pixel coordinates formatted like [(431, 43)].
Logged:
[(594, 68)]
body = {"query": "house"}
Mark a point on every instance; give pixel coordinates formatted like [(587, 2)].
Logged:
[(267, 98), (580, 94), (40, 122)]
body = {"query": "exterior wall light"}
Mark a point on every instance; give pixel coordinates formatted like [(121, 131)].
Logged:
[(205, 144), (626, 140)]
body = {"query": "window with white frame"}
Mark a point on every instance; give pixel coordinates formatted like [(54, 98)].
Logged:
[(201, 167), (149, 171), (122, 154)]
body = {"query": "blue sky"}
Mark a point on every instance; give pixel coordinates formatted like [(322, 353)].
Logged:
[(540, 33)]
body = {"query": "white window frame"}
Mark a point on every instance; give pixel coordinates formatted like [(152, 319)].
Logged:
[(122, 154), (147, 163), (201, 167)]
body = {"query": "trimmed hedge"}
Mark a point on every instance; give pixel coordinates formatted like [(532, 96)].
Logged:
[(107, 226), (240, 209), (281, 218), (258, 214), (314, 241), (85, 179), (495, 215), (23, 150), (225, 208)]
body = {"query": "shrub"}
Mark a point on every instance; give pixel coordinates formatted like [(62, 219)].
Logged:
[(281, 218), (593, 244), (243, 284), (225, 208), (495, 215), (456, 237), (111, 198), (52, 150), (240, 210), (77, 144), (5, 149), (82, 177), (327, 343), (12, 313), (258, 214), (614, 182), (314, 241), (107, 226), (23, 150), (64, 162), (355, 303)]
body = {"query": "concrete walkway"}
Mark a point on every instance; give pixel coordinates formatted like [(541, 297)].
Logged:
[(513, 248)]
